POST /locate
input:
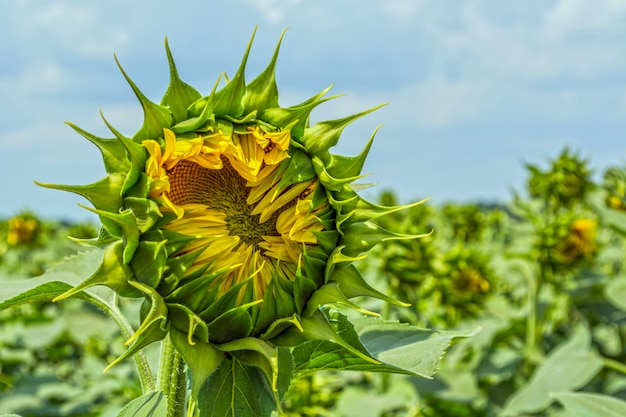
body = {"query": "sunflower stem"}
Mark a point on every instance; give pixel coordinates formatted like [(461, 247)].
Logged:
[(615, 365), (141, 362), (172, 380)]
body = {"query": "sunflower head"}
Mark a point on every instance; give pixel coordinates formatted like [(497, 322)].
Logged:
[(615, 187), (233, 220), (23, 230), (579, 243), (566, 183), (568, 242)]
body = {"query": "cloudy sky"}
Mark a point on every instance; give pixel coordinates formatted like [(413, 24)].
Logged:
[(475, 88)]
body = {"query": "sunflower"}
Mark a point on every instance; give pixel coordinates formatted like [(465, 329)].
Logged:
[(233, 220), (23, 230)]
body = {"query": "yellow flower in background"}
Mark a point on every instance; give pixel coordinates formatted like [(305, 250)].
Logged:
[(580, 242), (570, 241), (22, 230)]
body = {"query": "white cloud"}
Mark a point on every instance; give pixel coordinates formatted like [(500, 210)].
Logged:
[(439, 102), (75, 26), (581, 16), (43, 77), (274, 11), (401, 11), (559, 41)]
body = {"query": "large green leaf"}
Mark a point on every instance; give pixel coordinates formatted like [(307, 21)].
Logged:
[(54, 282), (236, 390), (578, 404), (356, 401), (148, 405), (569, 367), (63, 277), (615, 292), (399, 347)]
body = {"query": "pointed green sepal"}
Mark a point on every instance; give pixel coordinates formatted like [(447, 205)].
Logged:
[(153, 328), (136, 154), (341, 166), (112, 273), (233, 324), (146, 212), (281, 117), (359, 238), (352, 284), (130, 232), (206, 116), (187, 321), (104, 238), (319, 138), (229, 100), (277, 302), (317, 327), (262, 92), (113, 152), (156, 117), (179, 95), (331, 294), (339, 258), (359, 210), (103, 194), (196, 292), (149, 263), (278, 326), (299, 169), (327, 180)]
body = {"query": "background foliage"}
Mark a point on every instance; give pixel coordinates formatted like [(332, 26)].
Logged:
[(542, 276)]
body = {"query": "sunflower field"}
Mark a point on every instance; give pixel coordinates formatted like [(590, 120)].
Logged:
[(542, 277), (235, 270)]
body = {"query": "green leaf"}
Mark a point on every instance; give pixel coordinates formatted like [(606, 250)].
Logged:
[(569, 367), (201, 358), (148, 405), (355, 401), (578, 404), (615, 292), (236, 390), (112, 272), (406, 347), (54, 282), (401, 348)]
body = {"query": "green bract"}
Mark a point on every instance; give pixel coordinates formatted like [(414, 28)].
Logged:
[(260, 282)]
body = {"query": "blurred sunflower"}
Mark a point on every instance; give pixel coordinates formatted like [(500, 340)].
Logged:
[(22, 230)]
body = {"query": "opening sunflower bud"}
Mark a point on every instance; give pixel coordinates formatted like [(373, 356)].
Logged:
[(233, 220)]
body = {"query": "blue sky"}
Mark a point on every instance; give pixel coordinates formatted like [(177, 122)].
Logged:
[(476, 88)]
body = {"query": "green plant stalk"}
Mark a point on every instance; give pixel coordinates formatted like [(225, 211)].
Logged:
[(172, 380), (143, 369), (615, 365), (146, 379), (534, 283)]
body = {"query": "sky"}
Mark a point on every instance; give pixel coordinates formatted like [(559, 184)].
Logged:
[(475, 88)]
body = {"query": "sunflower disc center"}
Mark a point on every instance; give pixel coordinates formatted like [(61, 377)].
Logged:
[(224, 190)]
